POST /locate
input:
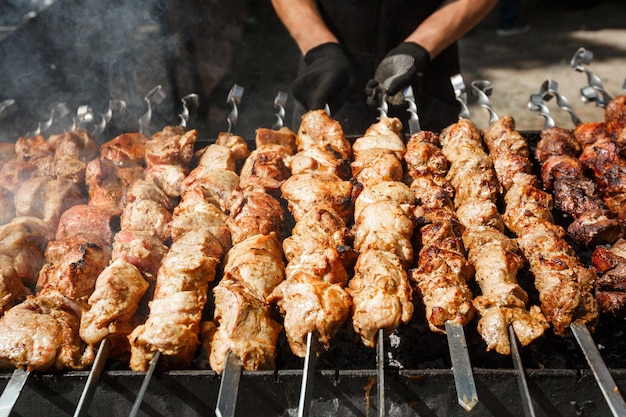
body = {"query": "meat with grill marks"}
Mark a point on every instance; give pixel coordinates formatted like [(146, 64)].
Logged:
[(615, 117), (495, 257), (563, 282), (610, 288), (574, 193)]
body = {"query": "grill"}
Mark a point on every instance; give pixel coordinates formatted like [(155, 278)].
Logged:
[(418, 378)]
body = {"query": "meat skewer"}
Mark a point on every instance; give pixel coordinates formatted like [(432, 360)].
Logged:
[(200, 238), (138, 250), (563, 282), (442, 269), (253, 267), (320, 197), (380, 289)]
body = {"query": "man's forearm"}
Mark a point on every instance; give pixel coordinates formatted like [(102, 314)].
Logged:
[(451, 21), (304, 23)]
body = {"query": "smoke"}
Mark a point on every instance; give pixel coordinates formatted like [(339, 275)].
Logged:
[(88, 52)]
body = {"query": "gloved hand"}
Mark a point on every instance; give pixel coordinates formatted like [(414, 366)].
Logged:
[(403, 65), (327, 78)]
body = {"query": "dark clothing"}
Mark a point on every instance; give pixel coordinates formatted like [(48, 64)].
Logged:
[(369, 29)]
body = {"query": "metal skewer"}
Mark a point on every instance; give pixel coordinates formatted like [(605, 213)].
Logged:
[(280, 102), (600, 371), (188, 100), (527, 401), (144, 385), (93, 379), (234, 98), (229, 387), (595, 90), (156, 96), (12, 391), (310, 361)]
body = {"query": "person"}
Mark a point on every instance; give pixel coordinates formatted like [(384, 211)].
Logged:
[(354, 51), (510, 22)]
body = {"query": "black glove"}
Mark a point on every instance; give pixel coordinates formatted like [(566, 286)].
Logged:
[(401, 67), (326, 79)]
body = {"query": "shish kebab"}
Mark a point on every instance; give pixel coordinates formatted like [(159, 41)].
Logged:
[(442, 270), (66, 277), (380, 288), (253, 266), (115, 306), (320, 196), (564, 283), (200, 238), (588, 175)]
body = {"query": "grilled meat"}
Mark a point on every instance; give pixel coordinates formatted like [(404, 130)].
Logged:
[(610, 287), (615, 117), (574, 193)]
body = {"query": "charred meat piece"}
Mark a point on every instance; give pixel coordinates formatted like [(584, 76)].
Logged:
[(610, 288)]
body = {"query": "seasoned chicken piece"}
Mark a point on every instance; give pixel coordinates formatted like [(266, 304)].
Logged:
[(305, 191), (47, 198), (73, 265), (141, 249), (216, 187), (321, 229), (204, 217), (255, 213), (169, 178), (107, 184), (147, 216), (115, 299), (77, 143), (24, 241), (525, 203), (507, 149), (237, 146), (375, 165), (317, 128), (12, 289), (320, 159), (381, 295), (386, 134), (126, 150), (83, 218), (217, 157), (394, 192), (284, 137), (248, 330), (171, 146), (147, 190), (41, 334), (384, 226), (556, 141), (266, 168), (253, 268), (310, 305)]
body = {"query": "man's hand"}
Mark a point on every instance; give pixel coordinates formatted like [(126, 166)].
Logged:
[(326, 79), (401, 67)]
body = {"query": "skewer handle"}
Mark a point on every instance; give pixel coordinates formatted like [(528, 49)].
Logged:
[(603, 377), (461, 367), (310, 361), (12, 391)]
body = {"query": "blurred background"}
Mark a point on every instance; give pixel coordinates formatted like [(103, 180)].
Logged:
[(85, 53)]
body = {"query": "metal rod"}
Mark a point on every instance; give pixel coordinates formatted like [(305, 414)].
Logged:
[(234, 98), (603, 377), (229, 387), (483, 89), (144, 385), (280, 102), (461, 367), (414, 121), (12, 391), (310, 361), (94, 377), (527, 400), (380, 367)]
